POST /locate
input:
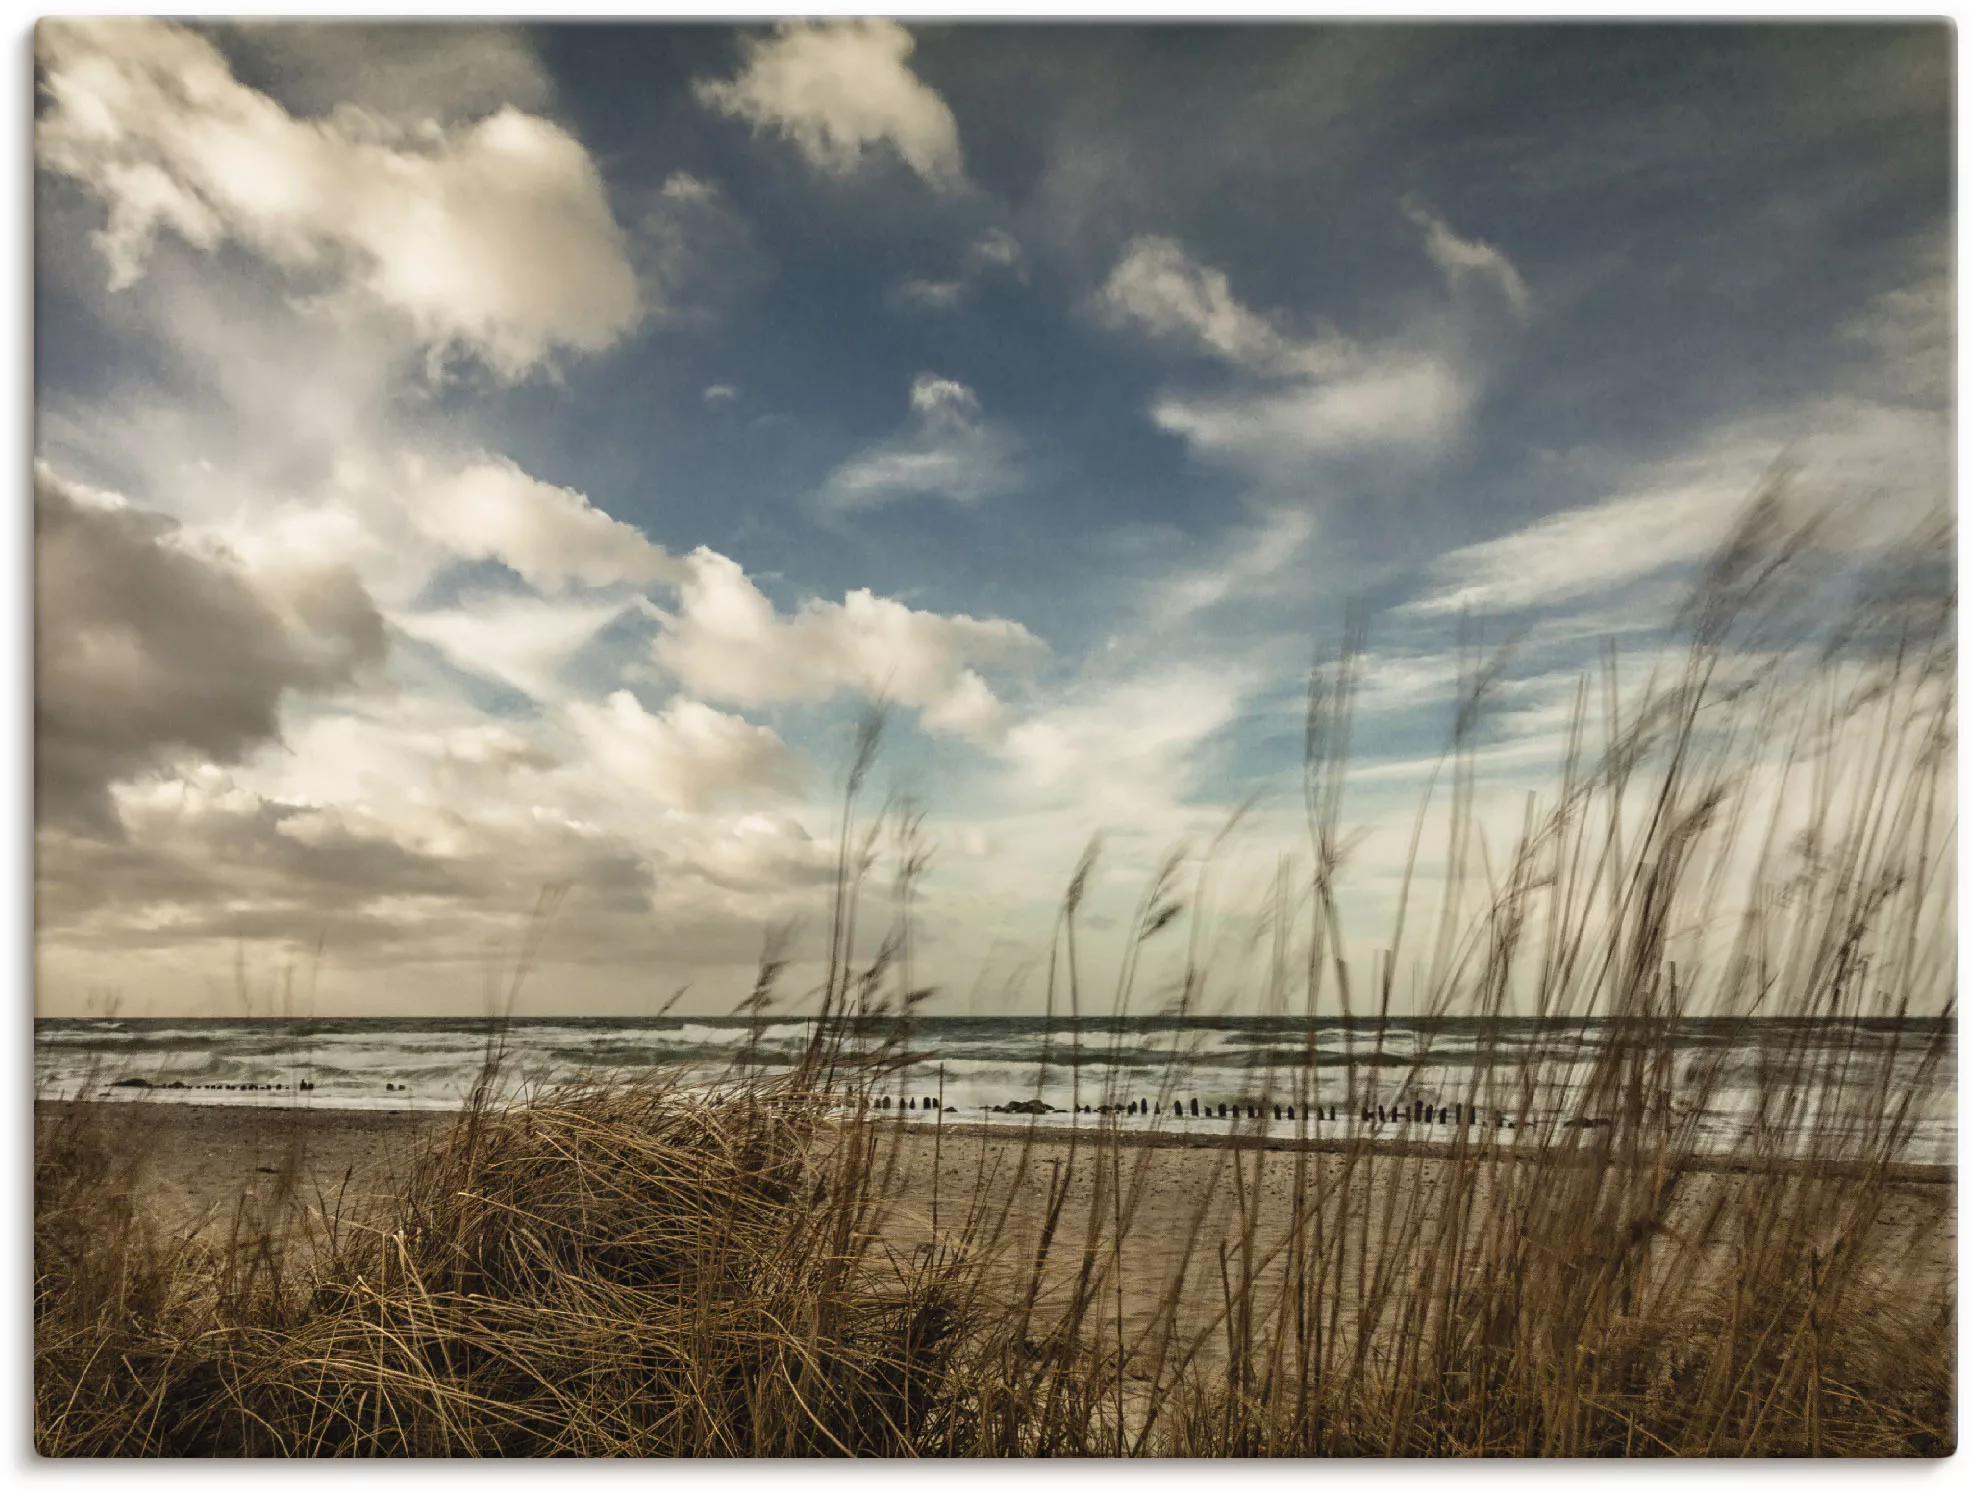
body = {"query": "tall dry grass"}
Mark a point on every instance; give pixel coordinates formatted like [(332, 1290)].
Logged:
[(778, 1266)]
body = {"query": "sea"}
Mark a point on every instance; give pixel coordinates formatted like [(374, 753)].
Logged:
[(1353, 1077)]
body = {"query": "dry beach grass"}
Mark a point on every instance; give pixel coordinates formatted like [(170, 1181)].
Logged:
[(770, 1267)]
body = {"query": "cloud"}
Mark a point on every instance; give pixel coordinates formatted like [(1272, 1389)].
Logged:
[(1124, 752), (549, 535), (693, 250), (1251, 566), (1292, 397), (1906, 332), (492, 237), (1159, 289), (689, 756), (1878, 472), (836, 90), (727, 642), (1467, 262), (946, 449), (148, 649), (995, 251), (521, 641), (1403, 399), (406, 73), (1586, 550)]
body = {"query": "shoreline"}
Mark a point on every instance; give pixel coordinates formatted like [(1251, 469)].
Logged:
[(223, 1135)]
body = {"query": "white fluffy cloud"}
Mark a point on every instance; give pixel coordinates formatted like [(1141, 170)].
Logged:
[(688, 756), (948, 448), (549, 535), (1293, 396), (838, 89), (492, 237), (727, 642)]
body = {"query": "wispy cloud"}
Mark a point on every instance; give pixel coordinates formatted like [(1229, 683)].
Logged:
[(1297, 396), (1468, 263), (995, 251), (948, 449)]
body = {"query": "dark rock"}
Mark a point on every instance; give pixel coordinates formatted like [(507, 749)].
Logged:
[(1031, 1105)]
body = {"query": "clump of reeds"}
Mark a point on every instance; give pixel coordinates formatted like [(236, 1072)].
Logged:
[(756, 1270), (631, 1270)]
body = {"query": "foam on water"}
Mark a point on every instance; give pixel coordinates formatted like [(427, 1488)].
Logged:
[(992, 1061)]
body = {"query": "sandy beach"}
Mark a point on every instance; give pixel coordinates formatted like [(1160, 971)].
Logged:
[(985, 1186), (1205, 1222)]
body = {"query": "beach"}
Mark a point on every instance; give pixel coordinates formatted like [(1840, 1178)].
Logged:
[(1153, 1268), (192, 1165)]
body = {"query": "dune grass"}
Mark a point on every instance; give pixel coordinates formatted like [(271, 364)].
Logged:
[(758, 1268)]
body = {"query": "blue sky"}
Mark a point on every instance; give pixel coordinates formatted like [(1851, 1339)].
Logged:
[(472, 458)]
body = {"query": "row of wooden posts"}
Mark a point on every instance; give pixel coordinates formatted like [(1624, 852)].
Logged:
[(1457, 1114)]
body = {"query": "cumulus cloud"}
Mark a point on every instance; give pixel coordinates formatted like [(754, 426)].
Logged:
[(148, 649), (1292, 396), (837, 90), (947, 448), (688, 755), (728, 642), (549, 535), (492, 237)]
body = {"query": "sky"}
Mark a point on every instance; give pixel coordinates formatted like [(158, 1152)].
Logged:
[(476, 462)]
